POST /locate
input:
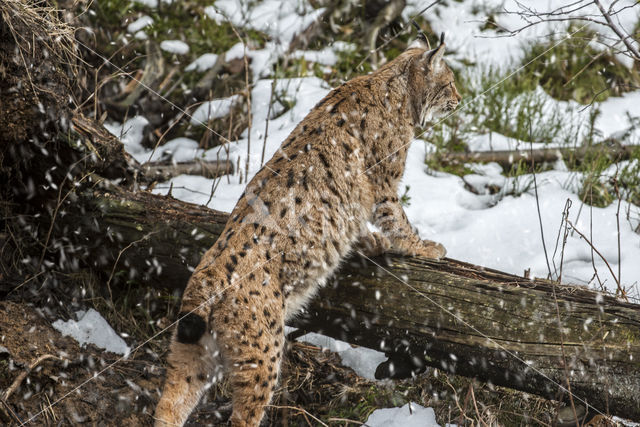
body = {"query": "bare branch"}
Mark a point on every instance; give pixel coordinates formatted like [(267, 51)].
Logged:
[(619, 32)]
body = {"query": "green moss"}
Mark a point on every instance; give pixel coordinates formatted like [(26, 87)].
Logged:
[(575, 69), (110, 13), (629, 179), (368, 401), (176, 21), (601, 190), (203, 35), (299, 67)]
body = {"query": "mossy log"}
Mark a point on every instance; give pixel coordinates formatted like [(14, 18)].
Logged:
[(462, 318)]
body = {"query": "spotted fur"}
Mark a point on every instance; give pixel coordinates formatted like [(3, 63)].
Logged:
[(302, 213)]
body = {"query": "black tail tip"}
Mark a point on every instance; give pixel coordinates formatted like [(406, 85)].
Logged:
[(191, 327)]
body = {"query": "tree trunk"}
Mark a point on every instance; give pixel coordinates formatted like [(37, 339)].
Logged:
[(464, 319)]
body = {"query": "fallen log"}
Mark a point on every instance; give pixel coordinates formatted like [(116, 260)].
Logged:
[(508, 158), (208, 169), (462, 318)]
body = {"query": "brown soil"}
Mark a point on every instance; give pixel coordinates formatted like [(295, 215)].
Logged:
[(80, 385), (89, 385), (124, 394)]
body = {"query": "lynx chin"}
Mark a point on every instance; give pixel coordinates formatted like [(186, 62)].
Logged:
[(300, 216)]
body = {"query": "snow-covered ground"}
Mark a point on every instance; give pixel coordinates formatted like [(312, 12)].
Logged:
[(409, 415), (92, 328), (497, 231)]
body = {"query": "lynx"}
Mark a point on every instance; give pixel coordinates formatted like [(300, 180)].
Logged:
[(303, 213)]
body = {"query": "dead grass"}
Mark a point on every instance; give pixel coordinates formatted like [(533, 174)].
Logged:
[(49, 32)]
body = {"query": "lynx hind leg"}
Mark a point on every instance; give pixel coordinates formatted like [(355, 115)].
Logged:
[(254, 357), (194, 362)]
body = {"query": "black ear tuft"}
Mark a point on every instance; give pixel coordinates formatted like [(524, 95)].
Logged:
[(442, 37), (421, 35), (190, 327)]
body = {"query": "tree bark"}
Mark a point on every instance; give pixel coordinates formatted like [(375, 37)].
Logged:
[(451, 315)]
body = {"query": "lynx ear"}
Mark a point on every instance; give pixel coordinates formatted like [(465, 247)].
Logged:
[(421, 41), (434, 57)]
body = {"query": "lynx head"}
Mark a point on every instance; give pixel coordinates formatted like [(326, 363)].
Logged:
[(430, 81)]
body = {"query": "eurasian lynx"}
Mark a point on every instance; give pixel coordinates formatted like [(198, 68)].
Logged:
[(300, 216)]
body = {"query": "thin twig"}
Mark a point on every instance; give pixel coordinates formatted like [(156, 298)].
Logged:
[(535, 188), (617, 189), (115, 264), (475, 405), (565, 217), (16, 383), (615, 278), (266, 125), (248, 90), (593, 261), (300, 410), (346, 420), (618, 32), (9, 412), (57, 208)]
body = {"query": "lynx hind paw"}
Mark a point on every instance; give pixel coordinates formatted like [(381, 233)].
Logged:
[(374, 244), (431, 249)]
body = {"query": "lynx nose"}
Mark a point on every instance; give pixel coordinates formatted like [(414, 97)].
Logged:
[(457, 94)]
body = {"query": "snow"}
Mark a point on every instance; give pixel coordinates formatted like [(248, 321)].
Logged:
[(203, 62), (213, 14), (175, 46), (214, 109), (152, 3), (362, 360), (141, 35), (139, 24), (280, 19), (462, 23), (235, 52), (326, 56), (410, 415), (130, 134), (92, 328), (480, 229), (614, 117)]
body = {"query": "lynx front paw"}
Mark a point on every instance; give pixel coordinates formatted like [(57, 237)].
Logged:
[(430, 249), (374, 244)]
